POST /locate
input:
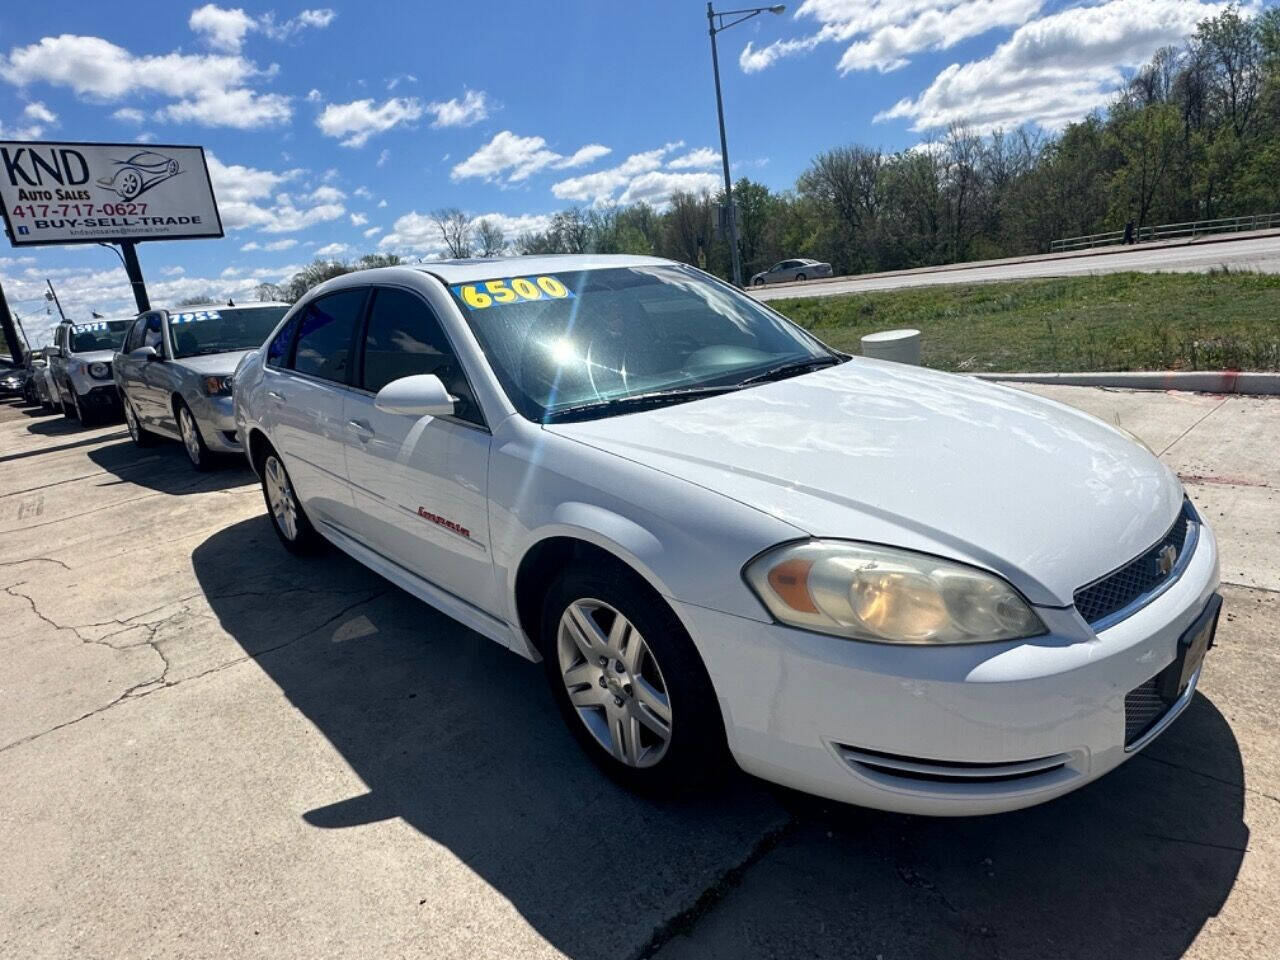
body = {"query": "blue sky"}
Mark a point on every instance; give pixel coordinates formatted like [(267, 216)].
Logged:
[(335, 129)]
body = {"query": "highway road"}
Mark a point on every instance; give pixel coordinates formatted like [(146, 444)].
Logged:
[(1259, 253)]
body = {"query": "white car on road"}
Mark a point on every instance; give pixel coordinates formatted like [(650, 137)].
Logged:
[(882, 584)]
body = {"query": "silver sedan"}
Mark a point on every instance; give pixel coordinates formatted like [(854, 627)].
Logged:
[(174, 374), (791, 270)]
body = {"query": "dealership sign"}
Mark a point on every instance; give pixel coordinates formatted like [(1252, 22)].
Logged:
[(90, 192)]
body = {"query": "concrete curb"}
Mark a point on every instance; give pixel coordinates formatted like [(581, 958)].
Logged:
[(1195, 381)]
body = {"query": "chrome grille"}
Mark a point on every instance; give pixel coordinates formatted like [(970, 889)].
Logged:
[(1143, 707), (1139, 576)]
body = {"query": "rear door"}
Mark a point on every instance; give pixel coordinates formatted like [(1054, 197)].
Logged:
[(304, 397), (420, 484)]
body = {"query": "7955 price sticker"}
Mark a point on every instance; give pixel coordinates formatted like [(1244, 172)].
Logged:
[(490, 293)]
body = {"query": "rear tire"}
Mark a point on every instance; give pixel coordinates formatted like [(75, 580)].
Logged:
[(140, 437), (288, 519), (800, 276), (642, 705)]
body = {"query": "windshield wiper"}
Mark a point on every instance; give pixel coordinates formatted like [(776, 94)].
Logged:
[(636, 401), (792, 368)]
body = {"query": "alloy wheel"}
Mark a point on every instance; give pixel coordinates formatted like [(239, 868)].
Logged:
[(614, 682), (284, 506), (131, 422), (190, 438)]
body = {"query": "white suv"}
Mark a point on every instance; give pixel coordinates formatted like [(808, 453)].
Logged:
[(882, 584)]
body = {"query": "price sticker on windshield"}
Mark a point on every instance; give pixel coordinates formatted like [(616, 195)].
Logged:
[(491, 293), (194, 317)]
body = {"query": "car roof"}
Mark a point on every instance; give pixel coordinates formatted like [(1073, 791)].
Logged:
[(469, 271)]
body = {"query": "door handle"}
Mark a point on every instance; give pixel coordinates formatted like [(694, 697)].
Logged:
[(360, 427), (279, 397)]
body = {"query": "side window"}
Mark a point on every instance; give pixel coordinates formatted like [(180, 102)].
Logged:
[(405, 338), (324, 336), (134, 340), (152, 335), (278, 348)]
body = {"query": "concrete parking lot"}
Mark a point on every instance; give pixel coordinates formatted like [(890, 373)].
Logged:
[(211, 748)]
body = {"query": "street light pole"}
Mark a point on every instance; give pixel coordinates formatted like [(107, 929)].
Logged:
[(731, 210)]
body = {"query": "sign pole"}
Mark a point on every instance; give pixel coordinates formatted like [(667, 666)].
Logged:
[(10, 333), (134, 271)]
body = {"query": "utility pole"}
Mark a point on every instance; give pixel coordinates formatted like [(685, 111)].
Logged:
[(53, 295), (134, 270), (731, 212), (10, 332)]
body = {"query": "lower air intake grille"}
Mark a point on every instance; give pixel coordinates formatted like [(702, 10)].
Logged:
[(1143, 708), (949, 771)]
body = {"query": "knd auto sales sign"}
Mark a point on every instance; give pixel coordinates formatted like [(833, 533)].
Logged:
[(89, 192)]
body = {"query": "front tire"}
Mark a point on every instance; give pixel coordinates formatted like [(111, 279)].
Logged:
[(197, 452), (801, 276), (629, 682), (288, 519)]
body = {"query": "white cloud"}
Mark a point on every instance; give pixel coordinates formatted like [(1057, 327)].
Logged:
[(401, 78), (511, 158), (600, 187), (129, 115), (358, 219), (280, 244), (225, 29), (583, 156), (359, 120), (250, 246), (372, 232), (702, 157), (363, 192), (332, 250), (381, 204), (1052, 70), (657, 186), (39, 113), (471, 109), (884, 34), (208, 89), (314, 96), (240, 189), (383, 157), (221, 29)]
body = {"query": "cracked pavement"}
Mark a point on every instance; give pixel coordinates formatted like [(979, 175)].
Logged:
[(213, 748)]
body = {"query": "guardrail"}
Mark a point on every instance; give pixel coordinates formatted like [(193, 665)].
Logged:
[(1168, 231)]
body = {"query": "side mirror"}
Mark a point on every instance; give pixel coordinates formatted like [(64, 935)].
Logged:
[(147, 353), (53, 351), (422, 395)]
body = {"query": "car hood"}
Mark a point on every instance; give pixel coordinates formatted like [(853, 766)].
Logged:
[(1046, 496), (213, 364)]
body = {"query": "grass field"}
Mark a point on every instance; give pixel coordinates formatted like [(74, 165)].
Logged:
[(1121, 321)]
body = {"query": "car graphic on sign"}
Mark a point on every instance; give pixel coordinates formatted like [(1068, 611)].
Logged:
[(139, 174)]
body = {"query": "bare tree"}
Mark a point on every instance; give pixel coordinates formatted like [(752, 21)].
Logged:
[(198, 299), (455, 231), (491, 239), (268, 291)]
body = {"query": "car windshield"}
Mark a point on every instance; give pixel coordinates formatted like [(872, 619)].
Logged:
[(223, 330), (102, 335), (590, 341)]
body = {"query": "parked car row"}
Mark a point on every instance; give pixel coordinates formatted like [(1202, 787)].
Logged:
[(725, 541)]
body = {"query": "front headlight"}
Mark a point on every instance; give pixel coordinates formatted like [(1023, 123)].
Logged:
[(217, 386), (99, 370), (868, 592)]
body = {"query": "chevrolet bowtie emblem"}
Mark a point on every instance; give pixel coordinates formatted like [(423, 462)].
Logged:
[(1166, 558)]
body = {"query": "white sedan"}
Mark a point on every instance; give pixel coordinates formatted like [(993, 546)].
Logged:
[(882, 584)]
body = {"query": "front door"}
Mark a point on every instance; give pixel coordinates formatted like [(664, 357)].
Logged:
[(419, 483)]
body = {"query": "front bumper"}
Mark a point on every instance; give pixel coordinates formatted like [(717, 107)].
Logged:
[(888, 726), (99, 397), (217, 423)]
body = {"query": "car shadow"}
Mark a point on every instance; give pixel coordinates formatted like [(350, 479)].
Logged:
[(165, 467), (460, 740)]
